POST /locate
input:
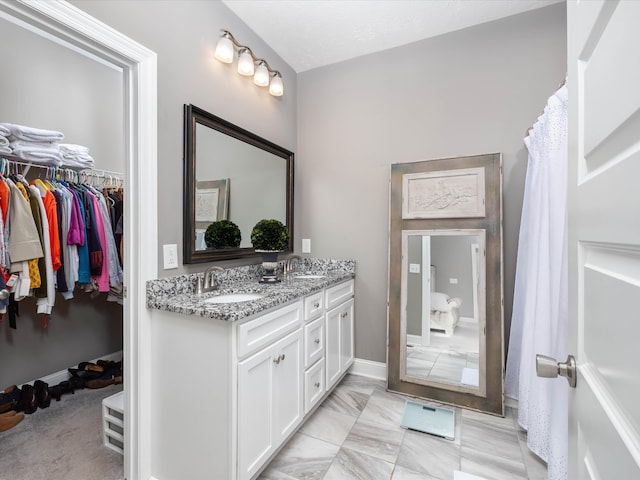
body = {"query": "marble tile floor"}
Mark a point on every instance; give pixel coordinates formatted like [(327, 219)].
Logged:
[(356, 435), (438, 365)]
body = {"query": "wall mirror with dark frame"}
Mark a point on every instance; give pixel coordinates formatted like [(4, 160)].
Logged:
[(445, 282), (231, 174)]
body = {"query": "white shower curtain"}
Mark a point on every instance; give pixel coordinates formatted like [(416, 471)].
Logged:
[(539, 320)]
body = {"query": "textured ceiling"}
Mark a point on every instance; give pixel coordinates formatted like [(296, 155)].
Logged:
[(312, 33)]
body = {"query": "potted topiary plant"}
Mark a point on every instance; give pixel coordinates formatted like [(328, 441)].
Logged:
[(269, 236), (222, 234)]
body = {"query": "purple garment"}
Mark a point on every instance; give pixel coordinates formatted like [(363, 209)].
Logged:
[(76, 223)]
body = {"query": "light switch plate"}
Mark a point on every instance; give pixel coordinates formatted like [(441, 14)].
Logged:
[(414, 268), (170, 256), (306, 245), (453, 281)]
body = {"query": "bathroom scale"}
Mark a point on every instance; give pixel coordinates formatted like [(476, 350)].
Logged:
[(433, 420)]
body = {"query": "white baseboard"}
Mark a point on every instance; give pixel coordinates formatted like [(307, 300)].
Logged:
[(368, 368), (62, 375), (414, 339)]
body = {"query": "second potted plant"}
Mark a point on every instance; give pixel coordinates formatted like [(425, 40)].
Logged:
[(269, 237)]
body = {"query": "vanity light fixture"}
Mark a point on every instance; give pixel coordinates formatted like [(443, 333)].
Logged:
[(249, 64)]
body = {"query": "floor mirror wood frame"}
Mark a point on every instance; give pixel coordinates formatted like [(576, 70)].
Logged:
[(489, 397)]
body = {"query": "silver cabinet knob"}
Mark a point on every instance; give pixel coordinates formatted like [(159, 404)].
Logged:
[(548, 367), (316, 305), (344, 315), (317, 341), (276, 360), (317, 384)]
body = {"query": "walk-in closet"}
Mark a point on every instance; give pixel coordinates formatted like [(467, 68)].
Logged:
[(48, 85)]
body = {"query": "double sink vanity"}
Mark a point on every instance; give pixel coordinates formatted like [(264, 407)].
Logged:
[(237, 370)]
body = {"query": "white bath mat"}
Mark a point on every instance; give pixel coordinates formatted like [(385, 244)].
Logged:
[(425, 418), (457, 475), (470, 377)]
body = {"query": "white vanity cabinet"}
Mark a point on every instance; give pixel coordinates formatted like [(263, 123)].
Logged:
[(227, 395)]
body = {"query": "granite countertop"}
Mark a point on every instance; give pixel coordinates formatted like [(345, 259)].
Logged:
[(177, 294)]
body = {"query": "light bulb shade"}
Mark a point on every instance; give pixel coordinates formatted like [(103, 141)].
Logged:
[(245, 63), (261, 77), (224, 50), (276, 87)]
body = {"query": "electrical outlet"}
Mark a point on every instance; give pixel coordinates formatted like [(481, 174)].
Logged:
[(453, 281), (170, 256), (414, 268), (306, 245)]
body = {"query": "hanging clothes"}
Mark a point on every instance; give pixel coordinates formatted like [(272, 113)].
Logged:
[(539, 322)]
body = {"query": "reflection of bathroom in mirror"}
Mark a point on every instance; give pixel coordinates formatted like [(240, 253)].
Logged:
[(445, 340), (231, 174), (443, 312)]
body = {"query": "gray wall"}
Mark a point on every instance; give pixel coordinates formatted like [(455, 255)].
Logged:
[(451, 255), (184, 34), (469, 92), (48, 86)]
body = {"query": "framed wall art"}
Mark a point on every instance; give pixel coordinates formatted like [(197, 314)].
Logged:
[(455, 193)]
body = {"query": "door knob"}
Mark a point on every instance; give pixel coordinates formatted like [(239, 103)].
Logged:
[(550, 368)]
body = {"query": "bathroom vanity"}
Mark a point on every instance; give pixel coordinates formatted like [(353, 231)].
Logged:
[(234, 380)]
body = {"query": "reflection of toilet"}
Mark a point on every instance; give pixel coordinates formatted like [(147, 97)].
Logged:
[(200, 243)]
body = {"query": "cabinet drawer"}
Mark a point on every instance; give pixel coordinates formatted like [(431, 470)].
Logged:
[(263, 331), (338, 294), (314, 386), (313, 305), (313, 341)]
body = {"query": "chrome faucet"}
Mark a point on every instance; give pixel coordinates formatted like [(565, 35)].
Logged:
[(208, 281), (289, 263)]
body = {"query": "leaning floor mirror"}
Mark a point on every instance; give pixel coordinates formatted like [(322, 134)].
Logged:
[(445, 339)]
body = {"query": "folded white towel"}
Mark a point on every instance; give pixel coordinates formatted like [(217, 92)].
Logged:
[(16, 144), (4, 131), (22, 132), (5, 150), (78, 161), (4, 141), (70, 148), (44, 156)]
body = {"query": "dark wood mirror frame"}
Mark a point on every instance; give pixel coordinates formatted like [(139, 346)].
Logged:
[(193, 116), (492, 401)]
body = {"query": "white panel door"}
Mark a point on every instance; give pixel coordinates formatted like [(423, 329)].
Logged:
[(288, 391), (346, 336), (255, 412), (604, 238), (332, 354)]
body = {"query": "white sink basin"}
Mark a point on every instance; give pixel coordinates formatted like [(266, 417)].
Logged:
[(309, 275), (234, 298)]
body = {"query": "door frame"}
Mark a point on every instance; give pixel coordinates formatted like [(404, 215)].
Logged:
[(427, 288), (66, 24)]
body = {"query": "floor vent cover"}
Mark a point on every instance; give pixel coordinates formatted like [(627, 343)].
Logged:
[(434, 420)]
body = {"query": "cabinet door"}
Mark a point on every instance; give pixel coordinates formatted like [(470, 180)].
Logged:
[(270, 401), (346, 336), (255, 407), (287, 386), (332, 352)]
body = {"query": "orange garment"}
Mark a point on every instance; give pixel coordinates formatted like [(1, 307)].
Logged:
[(34, 273), (50, 204), (4, 200)]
